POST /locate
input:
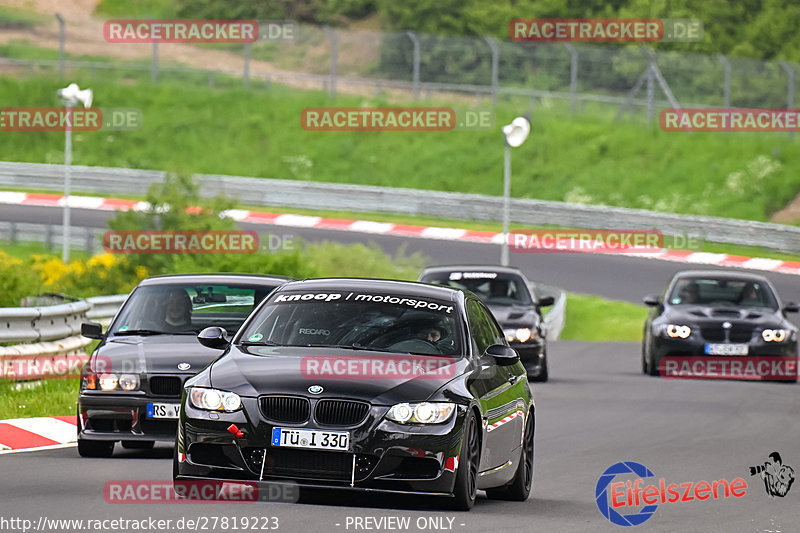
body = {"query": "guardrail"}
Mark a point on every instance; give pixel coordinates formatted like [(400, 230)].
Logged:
[(360, 198), (556, 317)]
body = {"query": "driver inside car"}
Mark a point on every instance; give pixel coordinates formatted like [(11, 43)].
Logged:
[(176, 311)]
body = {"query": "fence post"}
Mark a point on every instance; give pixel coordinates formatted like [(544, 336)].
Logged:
[(334, 58), (48, 237), (12, 233), (789, 88), (246, 73), (89, 239), (727, 89), (415, 41), (573, 77), (154, 65), (495, 65), (61, 40)]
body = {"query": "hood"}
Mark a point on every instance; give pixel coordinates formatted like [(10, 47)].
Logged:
[(715, 315), (254, 371), (154, 354), (515, 315)]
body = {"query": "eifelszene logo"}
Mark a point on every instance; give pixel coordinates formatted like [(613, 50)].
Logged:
[(615, 498), (778, 477)]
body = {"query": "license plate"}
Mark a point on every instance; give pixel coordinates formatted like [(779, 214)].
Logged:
[(727, 349), (307, 438), (163, 410)]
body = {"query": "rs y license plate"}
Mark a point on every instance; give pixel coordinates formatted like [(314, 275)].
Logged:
[(727, 349), (163, 410), (307, 438)]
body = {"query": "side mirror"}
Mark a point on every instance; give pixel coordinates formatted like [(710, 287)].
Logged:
[(214, 337), (92, 330), (502, 355), (791, 307), (652, 300), (546, 301)]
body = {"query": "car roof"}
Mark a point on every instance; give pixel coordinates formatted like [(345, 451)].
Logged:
[(722, 274), (222, 277), (473, 268), (385, 285)]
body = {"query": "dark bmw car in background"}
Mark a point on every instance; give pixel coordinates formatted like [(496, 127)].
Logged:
[(335, 383), (717, 313), (509, 295), (131, 386)]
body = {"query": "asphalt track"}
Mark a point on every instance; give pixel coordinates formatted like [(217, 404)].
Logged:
[(596, 410)]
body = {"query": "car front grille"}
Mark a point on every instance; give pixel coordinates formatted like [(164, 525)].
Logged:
[(165, 385), (340, 412), (735, 334), (309, 464), (289, 409)]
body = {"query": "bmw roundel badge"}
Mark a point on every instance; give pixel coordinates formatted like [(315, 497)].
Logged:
[(315, 389), (184, 366)]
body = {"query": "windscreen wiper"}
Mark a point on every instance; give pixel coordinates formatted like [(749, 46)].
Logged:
[(259, 343), (359, 347), (141, 332)]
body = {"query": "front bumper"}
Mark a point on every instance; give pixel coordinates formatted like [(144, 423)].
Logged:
[(383, 455), (694, 346), (532, 356), (113, 416)]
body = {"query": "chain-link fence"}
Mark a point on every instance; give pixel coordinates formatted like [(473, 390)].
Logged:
[(419, 66)]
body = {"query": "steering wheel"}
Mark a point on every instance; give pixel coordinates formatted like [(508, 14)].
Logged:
[(422, 346)]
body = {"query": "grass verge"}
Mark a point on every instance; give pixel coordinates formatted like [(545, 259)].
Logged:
[(46, 397), (596, 319)]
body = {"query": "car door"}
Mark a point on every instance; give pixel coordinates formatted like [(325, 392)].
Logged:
[(494, 388)]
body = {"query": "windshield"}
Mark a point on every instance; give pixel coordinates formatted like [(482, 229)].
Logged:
[(187, 308), (725, 292), (492, 287), (392, 323)]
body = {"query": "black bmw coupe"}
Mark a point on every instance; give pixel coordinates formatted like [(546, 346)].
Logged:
[(340, 383), (735, 315)]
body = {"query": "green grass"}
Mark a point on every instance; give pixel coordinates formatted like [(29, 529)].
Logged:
[(596, 319), (138, 9), (25, 250), (189, 127), (15, 18), (47, 397)]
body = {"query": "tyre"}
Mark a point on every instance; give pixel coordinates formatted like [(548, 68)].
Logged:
[(138, 444), (645, 370), (520, 487), (466, 486), (95, 448), (543, 373)]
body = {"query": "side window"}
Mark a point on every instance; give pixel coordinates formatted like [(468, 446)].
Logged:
[(497, 335), (479, 326)]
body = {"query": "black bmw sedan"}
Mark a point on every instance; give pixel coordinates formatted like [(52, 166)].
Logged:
[(734, 315), (508, 294), (336, 383), (131, 386)]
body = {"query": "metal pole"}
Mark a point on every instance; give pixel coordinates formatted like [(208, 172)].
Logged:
[(61, 39), (573, 77), (154, 66), (651, 110), (727, 89), (506, 203), (495, 67), (415, 42), (789, 88), (246, 74), (334, 58), (67, 178)]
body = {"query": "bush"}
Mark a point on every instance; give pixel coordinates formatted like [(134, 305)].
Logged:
[(16, 281)]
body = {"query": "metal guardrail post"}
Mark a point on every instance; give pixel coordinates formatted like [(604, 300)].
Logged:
[(789, 88), (495, 67), (726, 90), (415, 73), (154, 64), (61, 40), (334, 58), (573, 77)]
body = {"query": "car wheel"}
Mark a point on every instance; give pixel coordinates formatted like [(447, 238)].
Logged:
[(543, 373), (652, 365), (138, 444), (520, 487), (466, 486), (645, 370), (95, 448)]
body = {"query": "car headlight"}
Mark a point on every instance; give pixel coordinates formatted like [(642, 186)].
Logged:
[(129, 382), (679, 331), (421, 413), (214, 400), (774, 335), (108, 381), (520, 334)]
